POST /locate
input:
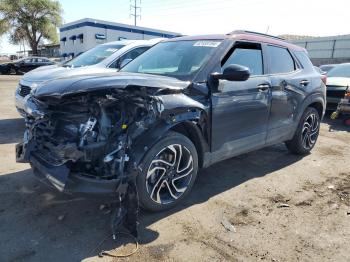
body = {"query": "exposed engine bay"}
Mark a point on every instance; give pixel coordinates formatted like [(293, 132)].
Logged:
[(91, 133)]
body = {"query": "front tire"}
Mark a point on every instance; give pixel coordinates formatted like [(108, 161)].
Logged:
[(169, 171), (306, 134)]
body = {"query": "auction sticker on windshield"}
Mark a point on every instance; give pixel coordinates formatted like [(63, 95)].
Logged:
[(207, 43)]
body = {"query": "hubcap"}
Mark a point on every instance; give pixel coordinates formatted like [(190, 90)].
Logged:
[(310, 131), (169, 174)]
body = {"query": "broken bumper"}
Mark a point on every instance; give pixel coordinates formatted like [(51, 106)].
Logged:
[(62, 179)]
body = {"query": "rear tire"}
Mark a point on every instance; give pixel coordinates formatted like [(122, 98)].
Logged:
[(169, 171), (306, 134)]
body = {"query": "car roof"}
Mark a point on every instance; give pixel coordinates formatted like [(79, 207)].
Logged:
[(242, 35)]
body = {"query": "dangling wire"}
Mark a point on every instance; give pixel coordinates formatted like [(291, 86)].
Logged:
[(109, 253)]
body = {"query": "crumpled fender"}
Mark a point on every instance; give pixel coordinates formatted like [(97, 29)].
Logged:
[(60, 87), (177, 108)]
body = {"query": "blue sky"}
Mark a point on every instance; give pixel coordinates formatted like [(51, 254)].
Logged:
[(304, 17)]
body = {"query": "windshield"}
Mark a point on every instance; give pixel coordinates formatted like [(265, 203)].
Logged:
[(340, 71), (93, 56), (180, 59)]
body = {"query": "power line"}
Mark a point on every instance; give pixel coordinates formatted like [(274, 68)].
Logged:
[(135, 10)]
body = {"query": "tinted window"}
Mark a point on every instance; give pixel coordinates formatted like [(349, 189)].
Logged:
[(251, 58), (280, 60), (132, 54), (304, 59), (43, 60), (340, 71)]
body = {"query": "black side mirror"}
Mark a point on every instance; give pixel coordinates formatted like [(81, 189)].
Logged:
[(233, 73)]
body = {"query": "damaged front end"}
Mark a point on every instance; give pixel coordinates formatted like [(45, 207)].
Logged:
[(89, 134), (82, 143)]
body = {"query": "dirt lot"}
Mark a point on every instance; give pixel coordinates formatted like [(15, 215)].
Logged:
[(282, 207)]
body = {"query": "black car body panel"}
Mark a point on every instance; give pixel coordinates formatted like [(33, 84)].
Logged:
[(91, 134), (98, 128)]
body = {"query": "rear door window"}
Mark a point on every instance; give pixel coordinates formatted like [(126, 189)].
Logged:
[(280, 59)]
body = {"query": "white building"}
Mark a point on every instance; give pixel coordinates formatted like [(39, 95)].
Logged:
[(81, 35)]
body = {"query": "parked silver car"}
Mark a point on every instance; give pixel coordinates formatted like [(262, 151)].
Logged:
[(104, 58)]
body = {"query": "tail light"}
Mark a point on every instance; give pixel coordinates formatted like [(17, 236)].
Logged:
[(347, 94), (324, 79)]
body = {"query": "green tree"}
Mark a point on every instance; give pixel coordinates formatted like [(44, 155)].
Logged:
[(3, 26), (30, 20)]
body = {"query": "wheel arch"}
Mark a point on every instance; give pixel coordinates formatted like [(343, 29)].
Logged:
[(193, 132), (318, 106), (316, 101)]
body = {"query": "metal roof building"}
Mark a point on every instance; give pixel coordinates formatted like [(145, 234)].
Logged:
[(78, 36)]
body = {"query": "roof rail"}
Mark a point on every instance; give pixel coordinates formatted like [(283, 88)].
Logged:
[(255, 33)]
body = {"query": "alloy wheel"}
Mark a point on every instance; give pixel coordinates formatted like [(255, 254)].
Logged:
[(310, 130), (169, 174)]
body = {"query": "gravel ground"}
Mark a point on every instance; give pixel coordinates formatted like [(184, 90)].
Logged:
[(266, 205)]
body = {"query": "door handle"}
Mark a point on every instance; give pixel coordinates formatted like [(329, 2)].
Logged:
[(304, 82), (263, 87)]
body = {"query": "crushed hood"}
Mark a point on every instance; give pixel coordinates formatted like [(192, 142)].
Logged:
[(87, 83)]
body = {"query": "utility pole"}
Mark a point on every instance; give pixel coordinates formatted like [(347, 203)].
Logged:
[(135, 10)]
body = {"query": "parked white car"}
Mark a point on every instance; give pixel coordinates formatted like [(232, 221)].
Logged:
[(338, 80), (109, 57)]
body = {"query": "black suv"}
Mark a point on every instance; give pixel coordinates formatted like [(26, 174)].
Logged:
[(184, 104), (24, 65)]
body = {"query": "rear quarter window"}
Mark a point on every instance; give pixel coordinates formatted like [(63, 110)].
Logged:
[(304, 59), (280, 60)]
